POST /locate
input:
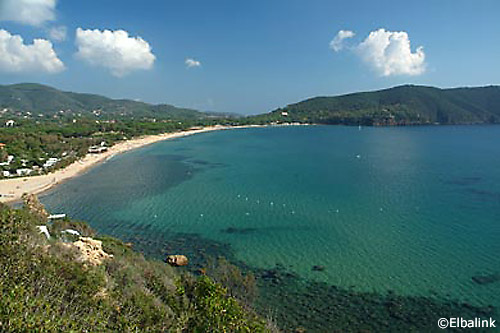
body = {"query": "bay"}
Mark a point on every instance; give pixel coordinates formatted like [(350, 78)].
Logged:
[(411, 210)]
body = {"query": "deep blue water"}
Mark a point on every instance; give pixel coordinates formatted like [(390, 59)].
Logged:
[(415, 210)]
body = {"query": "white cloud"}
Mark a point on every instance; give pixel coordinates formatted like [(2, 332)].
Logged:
[(389, 53), (15, 56), (114, 50), (337, 43), (192, 63), (58, 34), (32, 12)]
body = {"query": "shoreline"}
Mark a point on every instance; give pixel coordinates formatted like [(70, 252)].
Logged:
[(13, 189)]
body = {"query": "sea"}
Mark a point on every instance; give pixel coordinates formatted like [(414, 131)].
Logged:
[(345, 228)]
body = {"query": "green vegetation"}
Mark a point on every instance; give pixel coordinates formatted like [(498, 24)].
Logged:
[(403, 105), (32, 143), (45, 287), (38, 123)]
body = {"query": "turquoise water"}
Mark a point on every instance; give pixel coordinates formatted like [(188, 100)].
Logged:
[(415, 210)]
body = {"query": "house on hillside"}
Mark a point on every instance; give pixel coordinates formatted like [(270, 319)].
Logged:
[(9, 123)]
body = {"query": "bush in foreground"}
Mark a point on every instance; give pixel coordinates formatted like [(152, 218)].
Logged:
[(43, 286)]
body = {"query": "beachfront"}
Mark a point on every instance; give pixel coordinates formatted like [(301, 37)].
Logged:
[(12, 190)]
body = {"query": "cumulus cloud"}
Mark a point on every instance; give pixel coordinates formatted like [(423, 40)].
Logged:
[(337, 43), (114, 50), (15, 56), (190, 63), (387, 52), (31, 12), (58, 34)]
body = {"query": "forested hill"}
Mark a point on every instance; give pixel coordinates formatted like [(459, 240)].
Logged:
[(40, 99), (403, 105)]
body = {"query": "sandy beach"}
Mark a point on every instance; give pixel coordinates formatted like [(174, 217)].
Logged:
[(12, 190)]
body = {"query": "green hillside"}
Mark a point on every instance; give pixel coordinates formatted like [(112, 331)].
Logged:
[(403, 105), (95, 283), (40, 99)]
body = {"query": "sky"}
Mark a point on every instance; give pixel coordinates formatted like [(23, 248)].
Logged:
[(247, 57)]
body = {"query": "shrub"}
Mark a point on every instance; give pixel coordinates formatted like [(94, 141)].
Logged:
[(43, 287)]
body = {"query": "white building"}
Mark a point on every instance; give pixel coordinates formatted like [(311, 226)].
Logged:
[(97, 149), (50, 162), (10, 158), (6, 173), (23, 172), (9, 123)]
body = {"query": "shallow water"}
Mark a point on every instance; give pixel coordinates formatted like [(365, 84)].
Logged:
[(415, 210)]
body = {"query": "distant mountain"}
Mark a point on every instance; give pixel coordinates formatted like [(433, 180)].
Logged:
[(403, 105), (48, 101)]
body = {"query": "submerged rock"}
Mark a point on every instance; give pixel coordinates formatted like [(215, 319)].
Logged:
[(318, 268), (486, 279), (177, 260), (233, 230)]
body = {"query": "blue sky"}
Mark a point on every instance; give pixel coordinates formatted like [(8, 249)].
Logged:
[(248, 57)]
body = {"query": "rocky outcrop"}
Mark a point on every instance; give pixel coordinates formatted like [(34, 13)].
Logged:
[(177, 260), (90, 251), (34, 206)]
